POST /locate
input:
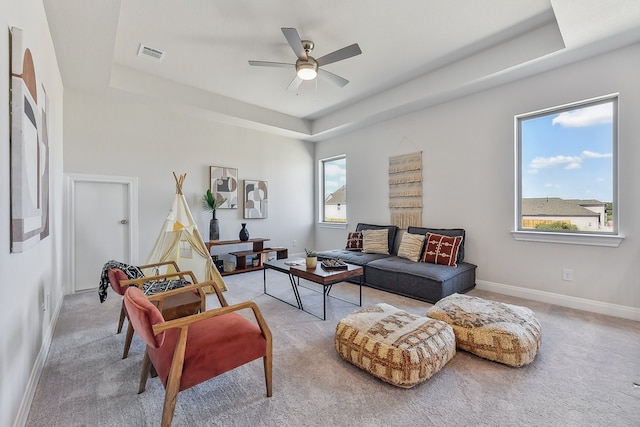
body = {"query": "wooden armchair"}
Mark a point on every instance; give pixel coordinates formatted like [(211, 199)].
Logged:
[(116, 276), (177, 306), (188, 351)]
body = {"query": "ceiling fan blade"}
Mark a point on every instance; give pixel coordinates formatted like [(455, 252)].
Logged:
[(295, 84), (340, 54), (291, 34), (271, 64), (334, 78)]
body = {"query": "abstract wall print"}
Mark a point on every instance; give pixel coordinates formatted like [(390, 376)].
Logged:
[(405, 190), (224, 185), (256, 200), (29, 150)]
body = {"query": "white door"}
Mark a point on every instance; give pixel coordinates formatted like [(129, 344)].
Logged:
[(101, 229)]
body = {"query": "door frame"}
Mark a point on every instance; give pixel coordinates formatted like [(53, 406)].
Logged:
[(71, 180)]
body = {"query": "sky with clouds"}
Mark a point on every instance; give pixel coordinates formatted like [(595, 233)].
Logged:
[(335, 175), (569, 154)]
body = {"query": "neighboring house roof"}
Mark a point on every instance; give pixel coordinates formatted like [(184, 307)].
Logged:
[(338, 197), (555, 206)]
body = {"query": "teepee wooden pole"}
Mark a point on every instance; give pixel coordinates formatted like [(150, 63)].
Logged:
[(179, 182)]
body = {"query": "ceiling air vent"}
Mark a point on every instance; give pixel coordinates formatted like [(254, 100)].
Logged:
[(150, 53)]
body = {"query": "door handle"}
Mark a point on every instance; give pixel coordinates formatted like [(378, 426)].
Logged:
[(124, 221)]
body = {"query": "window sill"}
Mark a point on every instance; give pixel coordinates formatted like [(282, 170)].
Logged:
[(607, 240), (336, 225)]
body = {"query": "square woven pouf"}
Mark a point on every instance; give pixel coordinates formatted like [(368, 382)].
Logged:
[(504, 333), (398, 347)]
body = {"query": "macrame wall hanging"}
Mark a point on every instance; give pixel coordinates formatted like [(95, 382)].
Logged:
[(405, 190)]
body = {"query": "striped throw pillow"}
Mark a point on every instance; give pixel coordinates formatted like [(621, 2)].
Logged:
[(375, 241), (411, 246)]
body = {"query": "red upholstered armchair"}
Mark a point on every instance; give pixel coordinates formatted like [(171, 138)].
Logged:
[(173, 307), (188, 351)]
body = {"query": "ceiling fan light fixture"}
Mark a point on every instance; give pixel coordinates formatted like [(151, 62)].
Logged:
[(307, 70)]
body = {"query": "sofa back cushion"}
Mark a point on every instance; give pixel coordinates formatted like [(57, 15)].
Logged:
[(451, 232), (391, 236)]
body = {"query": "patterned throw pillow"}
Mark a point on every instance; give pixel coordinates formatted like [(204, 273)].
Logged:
[(411, 246), (375, 241), (441, 249), (354, 241)]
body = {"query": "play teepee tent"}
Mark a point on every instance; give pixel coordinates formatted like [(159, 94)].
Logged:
[(180, 241)]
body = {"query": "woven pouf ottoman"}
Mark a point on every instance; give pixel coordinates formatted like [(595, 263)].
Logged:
[(398, 347), (504, 333)]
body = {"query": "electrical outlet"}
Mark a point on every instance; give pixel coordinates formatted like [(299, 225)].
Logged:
[(295, 243), (567, 274)]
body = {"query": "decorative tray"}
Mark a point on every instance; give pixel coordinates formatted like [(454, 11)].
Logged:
[(334, 264)]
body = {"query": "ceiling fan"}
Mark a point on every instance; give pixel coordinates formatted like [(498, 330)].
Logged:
[(307, 67)]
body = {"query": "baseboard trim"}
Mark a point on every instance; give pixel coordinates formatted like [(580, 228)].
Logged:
[(38, 367), (625, 312)]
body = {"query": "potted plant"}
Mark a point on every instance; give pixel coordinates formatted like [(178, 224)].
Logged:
[(312, 259), (211, 204)]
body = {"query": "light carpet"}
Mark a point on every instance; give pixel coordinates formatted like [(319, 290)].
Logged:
[(583, 375)]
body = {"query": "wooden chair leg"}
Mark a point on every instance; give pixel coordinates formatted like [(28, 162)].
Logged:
[(267, 373), (121, 322), (146, 367), (173, 381), (127, 341), (170, 399)]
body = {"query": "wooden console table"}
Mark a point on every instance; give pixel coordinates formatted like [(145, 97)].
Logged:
[(258, 249)]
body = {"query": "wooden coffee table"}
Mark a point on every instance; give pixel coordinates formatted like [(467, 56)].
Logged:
[(319, 275)]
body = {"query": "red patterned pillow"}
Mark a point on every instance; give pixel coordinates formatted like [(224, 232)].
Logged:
[(441, 249), (354, 241)]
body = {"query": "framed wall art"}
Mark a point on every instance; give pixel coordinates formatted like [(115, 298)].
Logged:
[(256, 200), (224, 185), (29, 149)]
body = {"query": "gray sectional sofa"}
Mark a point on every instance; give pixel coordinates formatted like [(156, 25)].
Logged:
[(420, 280)]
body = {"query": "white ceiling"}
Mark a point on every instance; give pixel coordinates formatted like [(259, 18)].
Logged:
[(415, 53)]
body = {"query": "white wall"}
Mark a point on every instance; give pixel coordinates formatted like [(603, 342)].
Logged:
[(117, 134), (468, 159), (26, 277)]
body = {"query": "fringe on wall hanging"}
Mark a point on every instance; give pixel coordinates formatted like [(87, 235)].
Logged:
[(405, 190)]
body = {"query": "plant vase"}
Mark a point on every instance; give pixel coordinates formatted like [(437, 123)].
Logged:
[(214, 228), (244, 233), (312, 262)]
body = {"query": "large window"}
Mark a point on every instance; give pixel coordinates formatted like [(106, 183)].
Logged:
[(566, 169), (333, 181)]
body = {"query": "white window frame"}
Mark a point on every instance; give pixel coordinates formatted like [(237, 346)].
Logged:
[(595, 238), (321, 191)]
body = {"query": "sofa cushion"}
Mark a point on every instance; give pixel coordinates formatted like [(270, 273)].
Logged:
[(375, 241), (392, 232), (354, 241), (452, 232), (441, 249), (351, 257), (419, 280), (411, 246)]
